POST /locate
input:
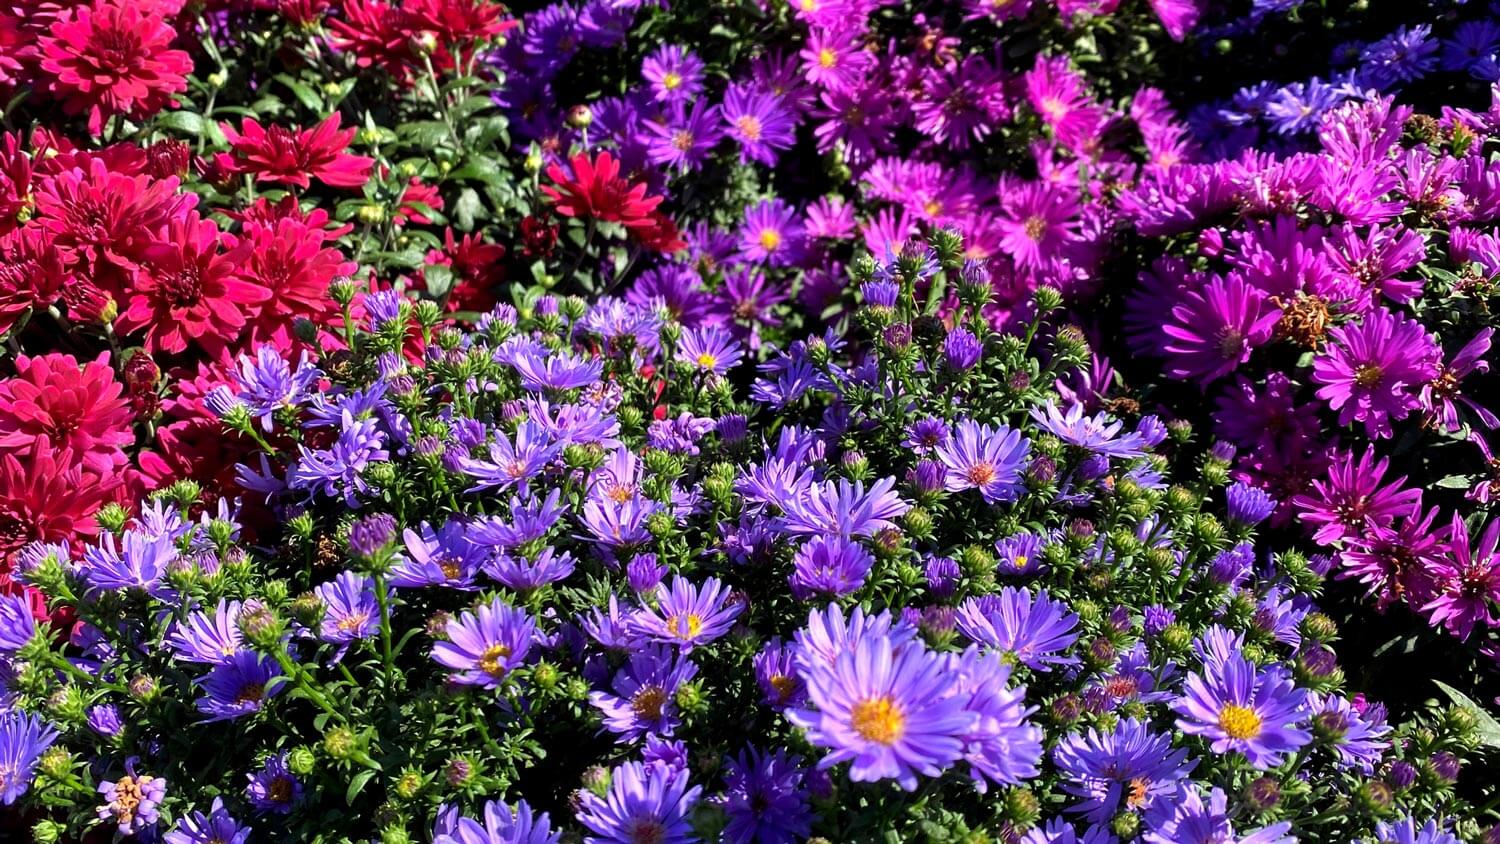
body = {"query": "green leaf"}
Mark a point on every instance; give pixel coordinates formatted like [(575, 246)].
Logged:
[(357, 785), (305, 94), (1488, 728), (182, 121), (425, 133), (1454, 482), (466, 209), (479, 170), (439, 279)]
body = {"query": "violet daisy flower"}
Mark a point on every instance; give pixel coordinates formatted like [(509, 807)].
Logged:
[(216, 827), (267, 384), (643, 696), (526, 575), (765, 799), (131, 802), (926, 434), (1406, 831), (17, 625), (446, 557), (23, 739), (484, 645), (1037, 222), (1248, 505), (772, 234), (274, 788), (1057, 830), (1213, 329), (758, 119), (688, 616), (776, 676), (1371, 372), (1189, 819), (1001, 746), (1096, 433), (828, 633), (350, 608), (1468, 580), (137, 562), (891, 711), (1356, 740), (1035, 631), (502, 825), (835, 57), (1442, 395), (513, 462), (987, 459), (1129, 767), (1020, 554), (685, 138), (1238, 707), (651, 802), (830, 567), (843, 508), (337, 471), (531, 517), (104, 719), (674, 73), (962, 351), (206, 638), (238, 686), (711, 348)]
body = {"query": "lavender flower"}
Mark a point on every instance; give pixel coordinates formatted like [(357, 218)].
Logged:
[(23, 739), (484, 645), (274, 788), (643, 701), (648, 802), (130, 802), (987, 459), (688, 616)]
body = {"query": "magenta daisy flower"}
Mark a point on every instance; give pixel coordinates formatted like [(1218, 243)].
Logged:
[(984, 458), (1037, 221), (1469, 581), (1372, 372), (685, 139), (891, 711), (1238, 707), (484, 645), (834, 58), (688, 616), (1351, 498), (1213, 330)]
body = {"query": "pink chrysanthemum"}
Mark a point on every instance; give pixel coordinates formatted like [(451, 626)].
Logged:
[(54, 403), (290, 156)]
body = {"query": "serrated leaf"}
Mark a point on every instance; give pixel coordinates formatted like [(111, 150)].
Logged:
[(357, 785), (1488, 728)]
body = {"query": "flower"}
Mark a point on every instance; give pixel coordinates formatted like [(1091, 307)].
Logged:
[(1248, 505), (137, 562), (688, 615), (778, 680), (889, 710), (1096, 434), (1035, 631), (350, 608), (290, 156), (831, 567), (759, 121), (238, 686), (502, 825), (1189, 819), (1037, 222), (484, 645), (1468, 579), (644, 698), (217, 827), (593, 189), (1354, 736), (23, 739), (984, 458), (844, 508), (1372, 371), (523, 575), (17, 625), (961, 349), (209, 639), (513, 462), (274, 788), (685, 139), (131, 801), (47, 498), (52, 401), (765, 799), (1213, 330), (1351, 499), (711, 348), (674, 73), (772, 234), (1130, 765), (337, 471), (1001, 746), (1238, 707), (650, 802), (1406, 831), (113, 58)]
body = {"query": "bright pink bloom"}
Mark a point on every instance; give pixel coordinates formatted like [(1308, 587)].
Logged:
[(290, 260), (47, 497), (32, 274), (1350, 498), (290, 156), (1372, 372), (1469, 581), (54, 403)]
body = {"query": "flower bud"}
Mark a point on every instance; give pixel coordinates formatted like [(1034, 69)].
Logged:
[(301, 761)]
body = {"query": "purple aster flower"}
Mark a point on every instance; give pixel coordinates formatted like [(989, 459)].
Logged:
[(1468, 580), (747, 300), (880, 293), (645, 572), (1057, 830), (1355, 737), (1239, 708), (830, 567), (1212, 330), (23, 739), (558, 371), (926, 434), (216, 827), (1128, 768), (484, 645), (1442, 396), (962, 350), (1248, 505), (1001, 746), (350, 608), (17, 625), (688, 615), (1035, 631), (131, 802), (1299, 107), (643, 696), (759, 121), (238, 686), (502, 825), (828, 633), (772, 234), (446, 557), (942, 575), (1406, 55), (651, 802), (1372, 372), (526, 575), (383, 308), (890, 710), (138, 562), (1020, 554), (776, 676), (686, 137), (274, 788), (835, 57), (709, 349), (674, 73), (843, 508), (1096, 434), (1189, 819), (370, 534), (267, 384), (513, 462), (531, 517), (765, 799), (1406, 831), (618, 524), (104, 719), (1037, 222), (205, 638), (337, 471), (987, 459)]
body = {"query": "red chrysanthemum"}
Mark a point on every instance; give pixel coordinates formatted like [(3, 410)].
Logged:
[(290, 156), (13, 43), (52, 402), (376, 34), (457, 24), (290, 260), (114, 58), (106, 220), (476, 270), (190, 290), (594, 190), (660, 236), (15, 182), (418, 199), (32, 274), (48, 497)]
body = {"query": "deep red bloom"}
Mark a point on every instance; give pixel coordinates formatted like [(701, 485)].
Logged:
[(114, 58), (32, 274), (48, 497), (538, 236), (594, 190), (267, 213), (457, 23), (416, 201), (52, 402), (661, 235), (290, 156), (377, 35), (190, 290), (302, 13), (13, 46), (290, 260), (476, 270), (169, 158), (106, 221), (15, 183)]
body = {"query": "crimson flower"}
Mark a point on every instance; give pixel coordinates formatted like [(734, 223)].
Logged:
[(32, 274), (290, 156), (375, 33), (660, 236), (594, 190), (52, 402), (113, 58), (48, 497), (15, 182), (476, 269), (288, 259), (190, 290)]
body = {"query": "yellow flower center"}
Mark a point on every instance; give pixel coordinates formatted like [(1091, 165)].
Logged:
[(827, 58), (981, 474), (749, 126), (685, 626), (450, 568), (707, 361), (353, 621), (1020, 561), (770, 239), (1054, 108), (492, 661), (784, 686), (671, 80), (1239, 722), (878, 719), (1035, 226)]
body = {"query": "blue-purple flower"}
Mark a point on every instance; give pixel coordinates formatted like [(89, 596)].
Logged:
[(212, 639), (350, 608), (1036, 631), (274, 788), (502, 825), (238, 686), (216, 827), (130, 803), (17, 625), (688, 616), (23, 739), (831, 567), (484, 645), (445, 557), (1239, 707), (987, 459), (1096, 434), (765, 799), (1127, 768), (643, 696), (650, 802)]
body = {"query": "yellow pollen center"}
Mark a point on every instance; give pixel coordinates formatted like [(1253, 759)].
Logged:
[(1035, 227), (879, 720), (932, 207), (1239, 722), (685, 626), (827, 58), (450, 568), (492, 661), (1054, 108), (1020, 561), (353, 621), (749, 126), (981, 474), (707, 361), (783, 685), (671, 81), (769, 239)]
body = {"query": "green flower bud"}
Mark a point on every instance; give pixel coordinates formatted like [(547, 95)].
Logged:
[(260, 626), (395, 835), (343, 290), (301, 761), (918, 523), (112, 517), (1048, 299), (975, 561), (56, 763), (1126, 824), (309, 610), (144, 688), (301, 526), (460, 771), (1177, 637), (690, 697), (48, 832), (428, 313), (1319, 627), (340, 743), (630, 417), (1022, 806), (380, 475), (409, 784)]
